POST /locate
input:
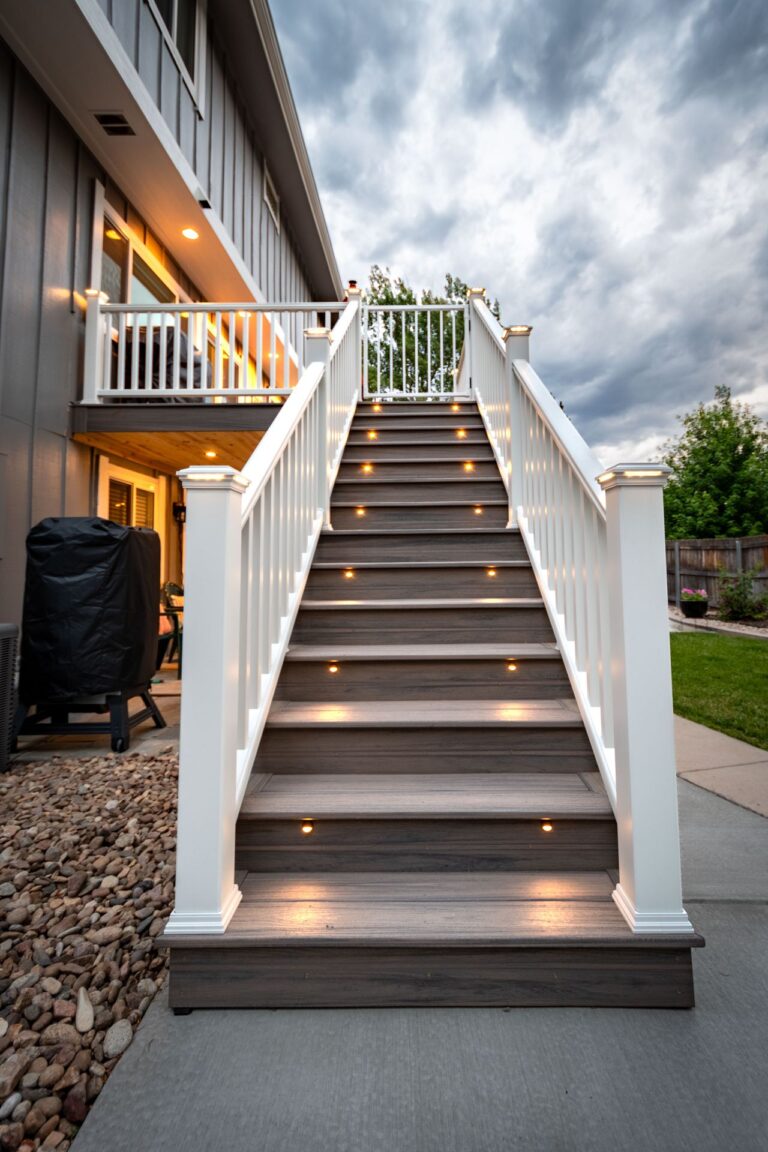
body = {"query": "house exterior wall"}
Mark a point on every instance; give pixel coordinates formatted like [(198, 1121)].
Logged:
[(46, 198), (213, 131)]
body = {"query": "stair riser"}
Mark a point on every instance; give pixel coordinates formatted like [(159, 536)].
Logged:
[(423, 680), (413, 440), (423, 583), (438, 749), (384, 845), (420, 473), (475, 547), (389, 409), (439, 492), (386, 977), (423, 626), (448, 423), (463, 516), (380, 453)]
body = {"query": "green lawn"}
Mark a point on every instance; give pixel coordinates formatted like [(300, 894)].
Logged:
[(722, 681)]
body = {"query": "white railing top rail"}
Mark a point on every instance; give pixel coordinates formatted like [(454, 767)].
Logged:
[(373, 307), (228, 306), (580, 456)]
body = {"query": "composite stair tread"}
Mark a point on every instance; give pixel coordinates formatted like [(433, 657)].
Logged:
[(430, 795), (546, 909), (417, 605), (372, 565), (425, 713), (452, 652)]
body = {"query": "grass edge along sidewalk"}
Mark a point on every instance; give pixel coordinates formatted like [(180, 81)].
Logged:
[(722, 682)]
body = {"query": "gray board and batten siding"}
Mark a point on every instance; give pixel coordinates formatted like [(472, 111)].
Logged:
[(220, 142)]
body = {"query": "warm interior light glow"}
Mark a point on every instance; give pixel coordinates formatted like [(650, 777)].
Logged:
[(333, 667), (210, 454), (490, 572), (373, 435), (511, 666), (190, 234), (469, 466), (349, 573), (307, 827), (367, 468), (478, 509), (112, 234), (461, 434), (360, 511), (546, 826)]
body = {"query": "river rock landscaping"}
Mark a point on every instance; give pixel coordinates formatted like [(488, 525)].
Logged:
[(86, 885)]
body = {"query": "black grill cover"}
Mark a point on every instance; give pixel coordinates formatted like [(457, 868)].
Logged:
[(91, 604)]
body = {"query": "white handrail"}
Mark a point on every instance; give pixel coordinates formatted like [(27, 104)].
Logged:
[(597, 550), (235, 352), (251, 537)]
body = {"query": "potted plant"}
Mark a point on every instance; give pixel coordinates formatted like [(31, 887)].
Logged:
[(694, 602)]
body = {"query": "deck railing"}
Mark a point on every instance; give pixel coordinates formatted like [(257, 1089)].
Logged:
[(596, 542), (412, 351), (251, 537), (237, 353)]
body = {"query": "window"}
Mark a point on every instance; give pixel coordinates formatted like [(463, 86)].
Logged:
[(129, 272), (182, 23), (271, 198)]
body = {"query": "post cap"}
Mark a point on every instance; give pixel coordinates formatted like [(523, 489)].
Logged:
[(208, 476), (317, 333), (647, 475), (518, 330), (475, 292)]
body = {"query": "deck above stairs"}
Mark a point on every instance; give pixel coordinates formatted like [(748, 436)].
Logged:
[(425, 823)]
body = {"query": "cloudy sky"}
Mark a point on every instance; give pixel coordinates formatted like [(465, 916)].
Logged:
[(601, 166)]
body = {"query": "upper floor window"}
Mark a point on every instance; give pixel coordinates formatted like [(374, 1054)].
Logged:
[(183, 24), (129, 273), (271, 197)]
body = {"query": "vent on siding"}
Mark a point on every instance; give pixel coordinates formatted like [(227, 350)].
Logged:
[(114, 124)]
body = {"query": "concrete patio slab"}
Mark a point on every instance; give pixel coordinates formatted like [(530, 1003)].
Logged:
[(477, 1080), (744, 784), (730, 768)]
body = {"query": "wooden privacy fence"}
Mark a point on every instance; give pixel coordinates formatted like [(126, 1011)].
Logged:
[(701, 563)]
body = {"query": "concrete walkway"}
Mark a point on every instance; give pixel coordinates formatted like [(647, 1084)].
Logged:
[(481, 1080), (730, 768)]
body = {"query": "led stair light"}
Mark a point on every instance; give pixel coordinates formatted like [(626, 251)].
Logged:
[(469, 466), (547, 826), (307, 827), (372, 435), (490, 572)]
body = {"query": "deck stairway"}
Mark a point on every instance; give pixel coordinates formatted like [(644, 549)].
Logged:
[(425, 823)]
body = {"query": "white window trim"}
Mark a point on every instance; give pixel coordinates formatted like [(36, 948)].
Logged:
[(196, 84), (104, 210), (157, 485), (268, 188)]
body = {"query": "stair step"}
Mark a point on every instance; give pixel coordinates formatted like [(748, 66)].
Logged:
[(449, 422), (371, 472), (492, 513), (426, 492), (421, 652), (394, 940), (405, 439), (475, 714), (422, 622), (418, 456), (385, 409), (476, 545), (405, 581), (340, 675), (436, 796)]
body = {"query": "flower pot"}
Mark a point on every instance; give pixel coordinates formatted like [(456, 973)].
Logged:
[(694, 609)]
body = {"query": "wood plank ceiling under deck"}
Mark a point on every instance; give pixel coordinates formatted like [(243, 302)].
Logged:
[(169, 451)]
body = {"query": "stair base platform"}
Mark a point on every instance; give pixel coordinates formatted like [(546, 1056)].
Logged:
[(532, 940)]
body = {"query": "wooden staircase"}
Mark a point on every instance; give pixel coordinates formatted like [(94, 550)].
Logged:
[(425, 824)]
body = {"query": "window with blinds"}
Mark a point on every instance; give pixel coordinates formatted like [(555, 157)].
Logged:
[(144, 515), (120, 502)]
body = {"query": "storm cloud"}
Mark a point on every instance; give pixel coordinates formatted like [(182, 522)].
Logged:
[(599, 165)]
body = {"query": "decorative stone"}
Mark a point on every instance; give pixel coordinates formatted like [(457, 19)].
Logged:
[(64, 1009), (117, 1039), (51, 985), (12, 1070), (12, 1137), (84, 1015), (61, 1033), (76, 883), (8, 1105), (75, 1106)]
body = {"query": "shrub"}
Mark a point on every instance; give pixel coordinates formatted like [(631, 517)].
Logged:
[(738, 601)]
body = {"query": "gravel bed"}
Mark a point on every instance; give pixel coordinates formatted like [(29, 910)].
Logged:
[(86, 884), (712, 623)]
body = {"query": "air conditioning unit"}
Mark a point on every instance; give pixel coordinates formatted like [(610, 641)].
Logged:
[(9, 638)]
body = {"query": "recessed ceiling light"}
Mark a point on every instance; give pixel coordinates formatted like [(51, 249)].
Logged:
[(190, 233), (211, 454)]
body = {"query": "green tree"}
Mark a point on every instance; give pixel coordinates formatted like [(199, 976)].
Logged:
[(404, 348), (719, 485)]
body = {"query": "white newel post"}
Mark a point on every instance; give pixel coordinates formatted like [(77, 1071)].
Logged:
[(649, 893), (93, 359), (317, 348), (517, 347), (469, 340), (355, 293), (206, 893)]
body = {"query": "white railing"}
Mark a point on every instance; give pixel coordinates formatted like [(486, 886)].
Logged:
[(238, 353), (412, 351), (596, 543), (251, 537)]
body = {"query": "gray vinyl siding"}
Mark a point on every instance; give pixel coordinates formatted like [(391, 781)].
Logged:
[(46, 206), (217, 140)]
